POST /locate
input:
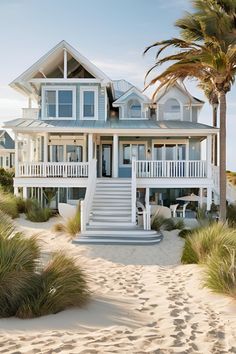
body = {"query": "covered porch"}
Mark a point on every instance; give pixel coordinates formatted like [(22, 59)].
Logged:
[(68, 155)]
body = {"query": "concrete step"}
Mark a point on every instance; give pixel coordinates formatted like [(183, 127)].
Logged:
[(111, 212), (122, 232), (104, 223), (110, 218)]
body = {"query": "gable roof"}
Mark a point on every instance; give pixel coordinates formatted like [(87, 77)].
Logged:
[(20, 83), (120, 87), (132, 90), (179, 86), (8, 142)]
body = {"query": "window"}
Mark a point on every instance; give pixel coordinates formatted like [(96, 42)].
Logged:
[(59, 103), (56, 153), (172, 109), (133, 150), (134, 109), (74, 153), (169, 151), (89, 102)]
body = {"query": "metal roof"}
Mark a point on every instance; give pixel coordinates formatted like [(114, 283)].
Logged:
[(111, 123)]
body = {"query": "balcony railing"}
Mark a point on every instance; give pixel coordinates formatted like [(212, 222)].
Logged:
[(53, 169), (171, 169)]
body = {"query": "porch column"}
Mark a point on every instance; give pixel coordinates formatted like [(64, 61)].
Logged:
[(45, 148), (24, 192), (84, 148), (115, 156), (208, 154), (90, 146), (147, 196), (209, 198), (16, 191), (16, 155), (201, 196)]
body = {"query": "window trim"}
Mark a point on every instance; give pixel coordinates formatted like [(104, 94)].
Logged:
[(130, 143), (59, 88), (95, 90)]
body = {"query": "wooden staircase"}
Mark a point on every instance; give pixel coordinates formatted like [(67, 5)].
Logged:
[(110, 217)]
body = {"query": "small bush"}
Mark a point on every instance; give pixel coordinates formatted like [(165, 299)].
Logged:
[(21, 206), (70, 226), (6, 180), (185, 233), (27, 287), (206, 240), (220, 273), (231, 215), (8, 204), (170, 224), (35, 213)]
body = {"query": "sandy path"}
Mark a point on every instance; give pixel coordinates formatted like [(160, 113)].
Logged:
[(135, 308)]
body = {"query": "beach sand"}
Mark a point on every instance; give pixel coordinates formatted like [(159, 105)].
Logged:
[(143, 301)]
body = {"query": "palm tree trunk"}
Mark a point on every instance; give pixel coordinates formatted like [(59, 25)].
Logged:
[(222, 156), (215, 137)]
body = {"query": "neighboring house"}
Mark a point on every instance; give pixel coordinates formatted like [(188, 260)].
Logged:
[(7, 150), (97, 138)]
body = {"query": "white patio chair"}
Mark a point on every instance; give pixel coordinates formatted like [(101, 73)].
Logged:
[(173, 209), (141, 214), (182, 211)]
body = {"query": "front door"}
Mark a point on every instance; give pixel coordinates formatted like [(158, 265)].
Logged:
[(106, 160)]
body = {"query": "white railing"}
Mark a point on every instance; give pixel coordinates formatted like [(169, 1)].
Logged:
[(53, 169), (86, 204), (30, 113), (171, 169)]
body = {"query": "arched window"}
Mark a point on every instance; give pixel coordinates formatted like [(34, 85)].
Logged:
[(134, 109), (172, 109)]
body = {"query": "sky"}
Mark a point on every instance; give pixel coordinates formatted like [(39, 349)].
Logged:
[(112, 34)]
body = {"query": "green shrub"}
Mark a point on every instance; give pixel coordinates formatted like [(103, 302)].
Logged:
[(231, 214), (35, 213), (220, 273), (6, 180), (70, 226), (27, 287), (185, 233), (170, 224), (8, 204), (21, 207), (205, 240)]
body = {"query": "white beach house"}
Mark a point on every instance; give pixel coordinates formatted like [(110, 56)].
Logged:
[(105, 141)]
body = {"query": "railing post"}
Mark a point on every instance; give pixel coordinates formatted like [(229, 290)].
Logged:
[(133, 187), (82, 224)]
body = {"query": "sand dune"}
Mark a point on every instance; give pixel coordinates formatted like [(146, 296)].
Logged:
[(140, 304)]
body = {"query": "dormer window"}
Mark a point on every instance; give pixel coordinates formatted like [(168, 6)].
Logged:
[(89, 102), (59, 102), (172, 110), (134, 109)]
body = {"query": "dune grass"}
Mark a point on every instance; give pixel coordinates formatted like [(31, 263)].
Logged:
[(34, 212), (220, 272), (205, 240), (8, 204), (70, 226), (29, 288)]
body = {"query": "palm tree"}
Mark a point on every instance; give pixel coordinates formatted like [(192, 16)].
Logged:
[(206, 52)]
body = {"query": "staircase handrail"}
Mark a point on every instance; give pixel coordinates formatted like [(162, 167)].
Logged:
[(86, 204)]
